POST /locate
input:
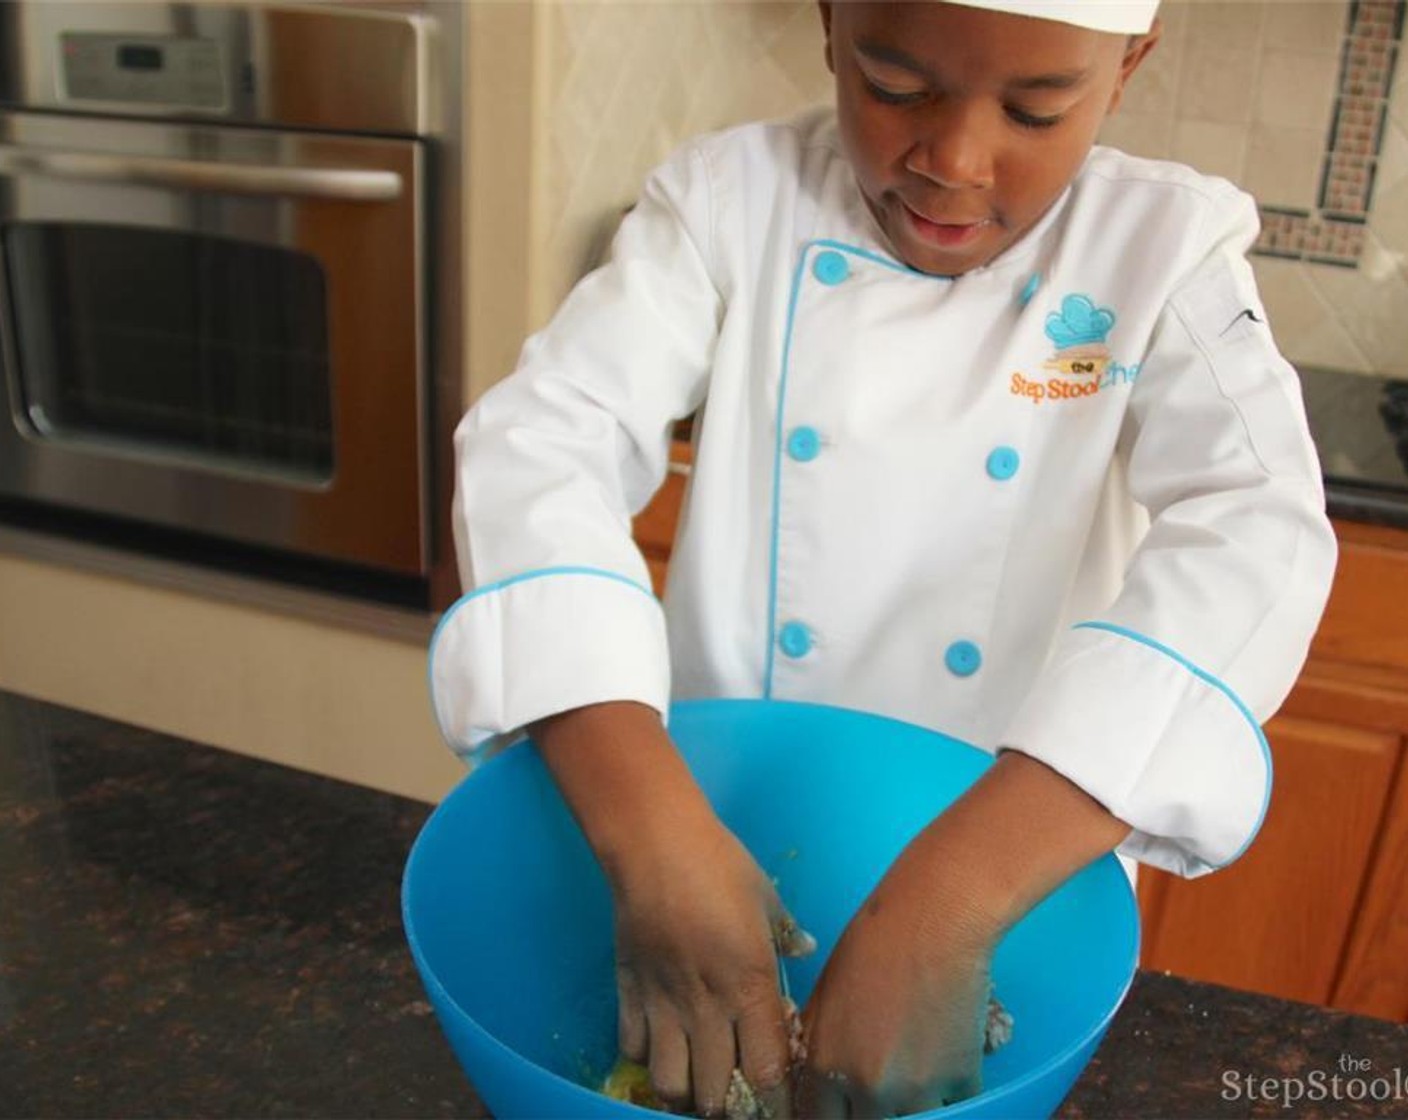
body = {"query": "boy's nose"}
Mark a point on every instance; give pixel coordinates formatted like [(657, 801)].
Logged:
[(951, 148)]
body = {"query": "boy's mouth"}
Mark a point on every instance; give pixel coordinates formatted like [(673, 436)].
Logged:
[(945, 235)]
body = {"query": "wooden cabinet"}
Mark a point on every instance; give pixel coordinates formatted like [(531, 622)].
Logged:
[(1277, 920), (1374, 976), (655, 525), (1317, 909)]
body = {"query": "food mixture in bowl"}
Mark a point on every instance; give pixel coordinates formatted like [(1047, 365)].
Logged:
[(630, 1082)]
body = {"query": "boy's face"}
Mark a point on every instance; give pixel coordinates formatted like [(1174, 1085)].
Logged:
[(965, 125)]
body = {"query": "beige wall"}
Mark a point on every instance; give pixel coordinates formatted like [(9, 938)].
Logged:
[(322, 698), (626, 81), (502, 115)]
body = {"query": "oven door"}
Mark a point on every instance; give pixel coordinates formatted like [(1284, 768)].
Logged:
[(217, 329)]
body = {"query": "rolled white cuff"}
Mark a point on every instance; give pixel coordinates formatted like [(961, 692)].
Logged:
[(1163, 745), (544, 642)]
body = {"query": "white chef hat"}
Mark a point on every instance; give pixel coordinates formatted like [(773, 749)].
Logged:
[(1128, 17)]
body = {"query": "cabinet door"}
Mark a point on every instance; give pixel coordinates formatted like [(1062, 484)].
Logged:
[(1366, 619), (1375, 976), (654, 527), (1277, 921)]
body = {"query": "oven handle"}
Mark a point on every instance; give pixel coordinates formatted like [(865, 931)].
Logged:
[(194, 175)]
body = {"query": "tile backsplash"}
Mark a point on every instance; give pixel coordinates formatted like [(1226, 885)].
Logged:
[(1303, 103), (628, 80)]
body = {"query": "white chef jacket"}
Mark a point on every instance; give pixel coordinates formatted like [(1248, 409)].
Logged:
[(1065, 503)]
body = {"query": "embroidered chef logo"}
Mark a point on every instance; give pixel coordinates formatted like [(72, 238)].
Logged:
[(1082, 365)]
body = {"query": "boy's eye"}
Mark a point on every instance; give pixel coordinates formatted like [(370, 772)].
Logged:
[(1028, 120), (892, 96)]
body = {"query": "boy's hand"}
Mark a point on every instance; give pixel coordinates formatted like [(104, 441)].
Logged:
[(897, 1020), (896, 1023), (698, 924)]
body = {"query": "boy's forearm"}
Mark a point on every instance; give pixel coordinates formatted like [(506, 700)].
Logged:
[(1011, 839), (623, 779)]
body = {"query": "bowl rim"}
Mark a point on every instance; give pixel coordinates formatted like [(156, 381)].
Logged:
[(986, 1097)]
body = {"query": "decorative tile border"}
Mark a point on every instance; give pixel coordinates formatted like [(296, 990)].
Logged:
[(1312, 237), (1333, 233)]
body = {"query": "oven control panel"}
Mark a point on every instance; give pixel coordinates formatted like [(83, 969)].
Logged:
[(148, 70)]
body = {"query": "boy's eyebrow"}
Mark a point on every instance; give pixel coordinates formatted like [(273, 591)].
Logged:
[(893, 56), (1064, 80)]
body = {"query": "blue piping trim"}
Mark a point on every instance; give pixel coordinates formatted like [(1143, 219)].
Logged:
[(522, 577), (1207, 678), (777, 473), (1029, 289), (797, 274)]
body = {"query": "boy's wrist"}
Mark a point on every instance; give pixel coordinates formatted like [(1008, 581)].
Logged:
[(625, 782), (1020, 832)]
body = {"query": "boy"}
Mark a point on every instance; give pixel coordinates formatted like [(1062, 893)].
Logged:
[(994, 439)]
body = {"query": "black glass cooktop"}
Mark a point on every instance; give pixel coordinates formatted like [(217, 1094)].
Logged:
[(1360, 425)]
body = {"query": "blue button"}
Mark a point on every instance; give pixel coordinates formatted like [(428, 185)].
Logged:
[(804, 444), (963, 659), (1029, 289), (1003, 463), (795, 640), (830, 267)]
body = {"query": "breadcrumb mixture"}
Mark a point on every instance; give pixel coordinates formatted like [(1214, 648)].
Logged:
[(630, 1082)]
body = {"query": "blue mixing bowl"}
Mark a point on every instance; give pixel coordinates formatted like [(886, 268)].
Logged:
[(509, 917)]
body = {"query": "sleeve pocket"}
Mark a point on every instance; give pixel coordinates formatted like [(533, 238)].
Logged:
[(1226, 321)]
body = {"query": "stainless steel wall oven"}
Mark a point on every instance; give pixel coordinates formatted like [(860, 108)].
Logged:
[(213, 271)]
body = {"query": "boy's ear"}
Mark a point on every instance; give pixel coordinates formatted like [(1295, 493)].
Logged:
[(825, 6), (1137, 51)]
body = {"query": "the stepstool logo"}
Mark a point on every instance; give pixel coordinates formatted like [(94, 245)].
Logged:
[(1079, 331), (1352, 1079)]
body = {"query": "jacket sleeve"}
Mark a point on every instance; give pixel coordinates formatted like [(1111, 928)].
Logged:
[(1155, 708), (552, 463)]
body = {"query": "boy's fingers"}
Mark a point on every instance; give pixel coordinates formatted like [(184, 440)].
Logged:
[(963, 1088), (669, 1062), (762, 1045), (777, 1102), (821, 1096), (631, 1033), (712, 1056), (862, 1104)]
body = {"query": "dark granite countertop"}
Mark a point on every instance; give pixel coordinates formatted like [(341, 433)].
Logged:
[(187, 932)]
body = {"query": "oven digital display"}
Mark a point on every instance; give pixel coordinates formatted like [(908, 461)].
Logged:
[(131, 57), (169, 70)]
